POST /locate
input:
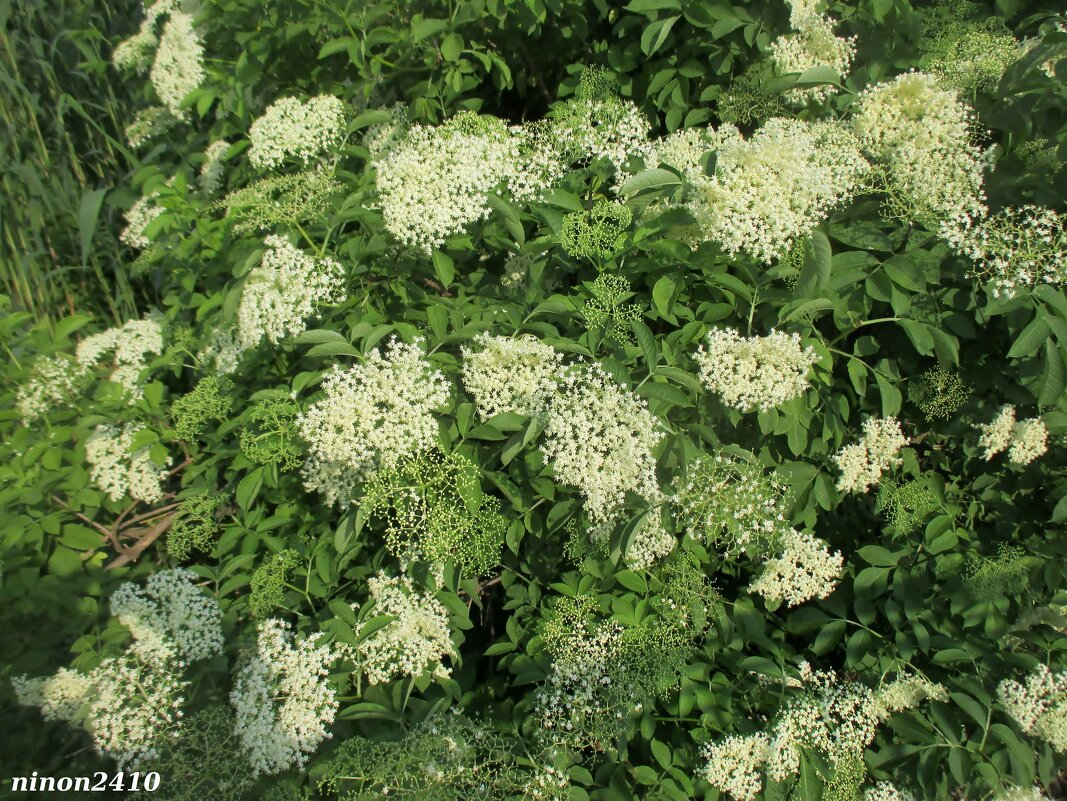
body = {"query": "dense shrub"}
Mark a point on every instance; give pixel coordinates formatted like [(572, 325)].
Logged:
[(558, 401)]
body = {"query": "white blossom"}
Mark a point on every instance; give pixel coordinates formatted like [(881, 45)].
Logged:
[(301, 130), (776, 186), (214, 163), (283, 292), (54, 381), (734, 765), (118, 471), (412, 644), (372, 415), (508, 374), (813, 45), (283, 698), (862, 464), (755, 372), (1039, 705), (178, 68), (599, 438), (804, 569)]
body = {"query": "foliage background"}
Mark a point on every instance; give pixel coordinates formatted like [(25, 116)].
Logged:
[(890, 300)]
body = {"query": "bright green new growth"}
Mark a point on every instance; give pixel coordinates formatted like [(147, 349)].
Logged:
[(444, 758), (907, 506), (848, 775), (302, 197), (270, 434), (1007, 573), (268, 583), (433, 508), (594, 234), (964, 47), (195, 526), (209, 400), (746, 101), (730, 503), (204, 763), (939, 393), (606, 309)]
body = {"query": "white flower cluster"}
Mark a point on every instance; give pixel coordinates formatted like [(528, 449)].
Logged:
[(59, 696), (173, 613), (222, 351), (684, 150), (510, 375), (1024, 440), (373, 415), (438, 180), (812, 45), (283, 699), (1014, 248), (649, 543), (118, 471), (283, 291), (884, 791), (754, 372), (417, 639), (862, 463), (922, 134), (147, 124), (776, 186), (1040, 705), (595, 124), (129, 344), (54, 381), (179, 65), (734, 765), (290, 128), (214, 163), (1020, 794), (132, 702), (138, 216), (837, 719), (599, 438), (135, 54), (805, 569)]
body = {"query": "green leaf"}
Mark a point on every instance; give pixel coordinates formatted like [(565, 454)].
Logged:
[(248, 488), (425, 28), (88, 214), (879, 556), (451, 47), (649, 179), (444, 268), (631, 581), (656, 34), (663, 295), (1030, 339)]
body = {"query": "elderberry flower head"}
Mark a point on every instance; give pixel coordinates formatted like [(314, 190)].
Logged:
[(884, 791), (734, 764), (776, 186), (283, 291), (179, 65), (54, 381), (283, 699), (1015, 248), (1039, 705), (508, 374), (755, 372), (813, 45), (171, 612), (803, 570), (214, 163), (301, 130), (372, 415), (118, 471), (599, 438), (415, 642), (862, 463), (922, 134)]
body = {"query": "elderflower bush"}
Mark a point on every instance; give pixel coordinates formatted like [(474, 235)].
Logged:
[(520, 407)]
